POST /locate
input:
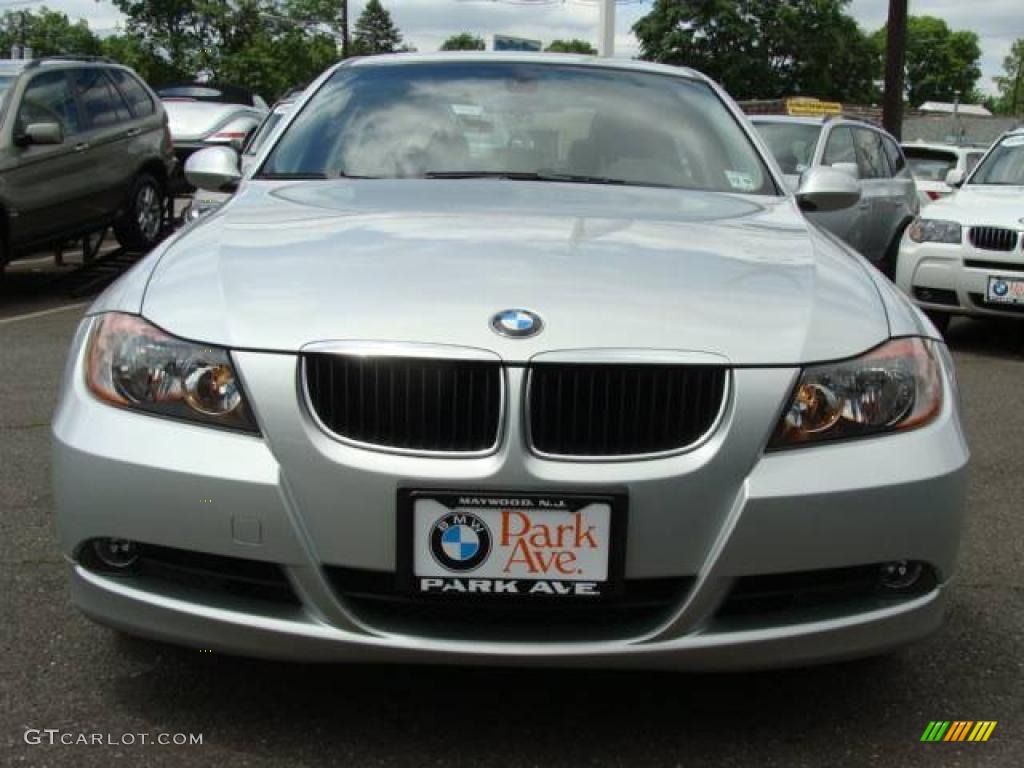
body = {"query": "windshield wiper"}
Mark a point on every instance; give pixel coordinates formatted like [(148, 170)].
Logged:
[(524, 176), (291, 176), (542, 175), (298, 176)]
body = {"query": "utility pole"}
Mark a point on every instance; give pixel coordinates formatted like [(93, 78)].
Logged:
[(344, 29), (895, 57), (606, 37), (1016, 87), (18, 49)]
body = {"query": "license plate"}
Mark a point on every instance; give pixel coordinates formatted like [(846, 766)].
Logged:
[(530, 545), (1003, 290)]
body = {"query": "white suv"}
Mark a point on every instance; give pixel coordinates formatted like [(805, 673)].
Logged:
[(964, 254), (931, 165)]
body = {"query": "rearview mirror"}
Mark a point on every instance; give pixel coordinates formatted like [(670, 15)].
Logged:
[(955, 178), (41, 133), (827, 189), (214, 169)]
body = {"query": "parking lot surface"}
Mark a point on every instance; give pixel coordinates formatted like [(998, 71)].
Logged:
[(59, 671)]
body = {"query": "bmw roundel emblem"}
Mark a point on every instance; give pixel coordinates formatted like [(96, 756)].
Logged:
[(460, 541), (1000, 288), (516, 323)]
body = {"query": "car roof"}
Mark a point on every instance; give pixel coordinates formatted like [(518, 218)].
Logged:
[(18, 66), (227, 93), (12, 66), (791, 119), (524, 57)]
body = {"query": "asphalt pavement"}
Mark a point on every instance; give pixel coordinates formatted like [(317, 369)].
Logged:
[(60, 671)]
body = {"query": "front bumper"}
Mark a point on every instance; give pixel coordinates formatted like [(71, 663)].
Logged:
[(950, 278), (310, 504), (305, 638)]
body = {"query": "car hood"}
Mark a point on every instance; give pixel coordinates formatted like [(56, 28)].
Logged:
[(190, 120), (745, 278), (980, 204)]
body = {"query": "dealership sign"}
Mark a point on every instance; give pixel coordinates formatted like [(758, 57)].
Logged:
[(804, 107), (508, 43)]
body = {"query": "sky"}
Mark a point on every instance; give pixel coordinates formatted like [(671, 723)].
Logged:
[(426, 23)]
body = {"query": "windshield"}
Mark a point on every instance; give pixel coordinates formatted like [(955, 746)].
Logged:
[(1004, 164), (929, 164), (792, 144), (519, 121)]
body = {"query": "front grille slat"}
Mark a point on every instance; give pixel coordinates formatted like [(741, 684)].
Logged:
[(409, 404), (611, 410), (993, 238), (428, 405)]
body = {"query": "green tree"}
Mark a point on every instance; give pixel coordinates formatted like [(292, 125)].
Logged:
[(464, 42), (266, 45), (375, 32), (939, 61), (132, 51), (764, 48), (47, 33), (1011, 85), (571, 46)]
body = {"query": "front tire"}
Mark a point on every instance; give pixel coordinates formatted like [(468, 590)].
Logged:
[(140, 227)]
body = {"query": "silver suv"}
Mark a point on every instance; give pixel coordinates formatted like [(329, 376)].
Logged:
[(83, 144), (889, 199)]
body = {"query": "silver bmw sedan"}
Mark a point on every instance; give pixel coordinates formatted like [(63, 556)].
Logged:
[(511, 359)]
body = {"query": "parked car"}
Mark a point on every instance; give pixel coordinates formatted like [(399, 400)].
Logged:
[(204, 202), (83, 144), (965, 255), (889, 201), (208, 115), (931, 163), (603, 398)]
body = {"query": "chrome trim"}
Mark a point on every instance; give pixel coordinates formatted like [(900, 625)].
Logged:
[(629, 356), (389, 351), (414, 349), (727, 391)]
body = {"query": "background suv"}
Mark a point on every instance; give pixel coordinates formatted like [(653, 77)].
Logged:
[(932, 163), (889, 199), (83, 144)]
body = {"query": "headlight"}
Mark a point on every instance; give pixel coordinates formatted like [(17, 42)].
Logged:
[(935, 231), (897, 386), (135, 365)]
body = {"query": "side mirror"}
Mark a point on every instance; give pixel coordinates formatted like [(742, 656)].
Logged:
[(827, 189), (41, 133), (955, 178), (850, 169), (214, 169)]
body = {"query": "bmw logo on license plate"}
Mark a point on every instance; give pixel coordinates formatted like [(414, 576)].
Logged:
[(460, 542), (516, 323)]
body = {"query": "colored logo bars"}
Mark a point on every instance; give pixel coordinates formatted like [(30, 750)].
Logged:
[(958, 730)]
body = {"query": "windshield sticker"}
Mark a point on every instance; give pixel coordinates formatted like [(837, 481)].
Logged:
[(1014, 141), (741, 181)]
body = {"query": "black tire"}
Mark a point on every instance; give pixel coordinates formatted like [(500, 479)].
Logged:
[(141, 225), (939, 319)]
